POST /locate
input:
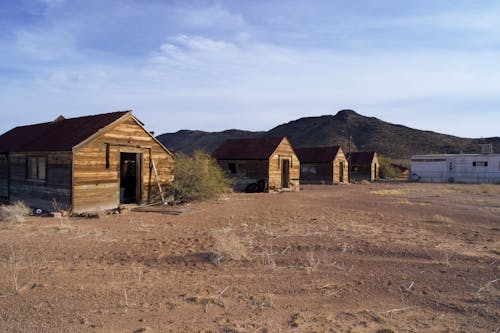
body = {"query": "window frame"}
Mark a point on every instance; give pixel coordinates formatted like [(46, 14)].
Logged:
[(480, 164), (231, 166), (39, 160)]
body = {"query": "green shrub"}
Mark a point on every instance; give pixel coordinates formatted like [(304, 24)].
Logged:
[(198, 177), (387, 171)]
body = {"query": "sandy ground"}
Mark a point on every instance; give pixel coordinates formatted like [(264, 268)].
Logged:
[(385, 257)]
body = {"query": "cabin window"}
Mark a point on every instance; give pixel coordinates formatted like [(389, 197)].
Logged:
[(37, 167), (231, 167), (480, 163), (308, 169)]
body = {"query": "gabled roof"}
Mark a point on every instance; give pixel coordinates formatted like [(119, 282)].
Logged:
[(317, 154), (247, 149), (361, 157), (59, 135)]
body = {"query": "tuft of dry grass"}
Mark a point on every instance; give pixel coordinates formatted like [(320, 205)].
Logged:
[(386, 330), (18, 269), (227, 246), (490, 189), (441, 219), (14, 213), (208, 300), (388, 192)]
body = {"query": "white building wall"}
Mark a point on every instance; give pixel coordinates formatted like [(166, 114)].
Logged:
[(462, 168)]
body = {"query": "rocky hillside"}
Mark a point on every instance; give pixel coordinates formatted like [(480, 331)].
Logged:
[(186, 141), (367, 133)]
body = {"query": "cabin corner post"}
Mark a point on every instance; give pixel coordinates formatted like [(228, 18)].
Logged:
[(73, 206), (7, 156), (150, 174)]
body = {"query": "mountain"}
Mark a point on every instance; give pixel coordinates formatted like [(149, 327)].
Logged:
[(367, 133), (186, 141)]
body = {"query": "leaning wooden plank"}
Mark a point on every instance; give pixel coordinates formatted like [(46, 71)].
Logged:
[(158, 181)]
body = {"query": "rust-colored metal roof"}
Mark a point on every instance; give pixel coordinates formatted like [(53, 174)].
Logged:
[(361, 157), (247, 149), (317, 154), (59, 135)]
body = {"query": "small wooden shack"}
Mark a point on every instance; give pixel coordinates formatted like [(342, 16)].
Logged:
[(84, 164), (363, 165), (322, 165), (251, 160)]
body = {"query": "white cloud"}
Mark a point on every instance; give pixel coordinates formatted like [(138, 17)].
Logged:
[(52, 2), (44, 45), (200, 78), (209, 17)]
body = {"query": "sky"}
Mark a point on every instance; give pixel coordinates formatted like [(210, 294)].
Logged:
[(254, 64)]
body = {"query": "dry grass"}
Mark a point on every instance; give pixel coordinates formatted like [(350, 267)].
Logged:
[(310, 263), (386, 330), (208, 300), (227, 246), (14, 213), (490, 189), (388, 192), (441, 219), (19, 267)]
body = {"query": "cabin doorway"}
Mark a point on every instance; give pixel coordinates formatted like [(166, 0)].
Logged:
[(341, 172), (130, 178), (285, 174)]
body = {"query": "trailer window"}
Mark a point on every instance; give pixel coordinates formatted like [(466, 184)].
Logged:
[(480, 163)]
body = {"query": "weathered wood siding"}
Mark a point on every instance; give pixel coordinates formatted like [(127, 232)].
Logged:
[(325, 173), (368, 172), (4, 179), (375, 168), (340, 160), (247, 172), (316, 173), (284, 151), (96, 185), (41, 193)]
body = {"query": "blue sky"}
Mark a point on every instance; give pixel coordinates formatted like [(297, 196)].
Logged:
[(215, 65)]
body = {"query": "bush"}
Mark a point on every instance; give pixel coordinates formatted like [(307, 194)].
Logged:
[(227, 246), (387, 171), (14, 213), (198, 177)]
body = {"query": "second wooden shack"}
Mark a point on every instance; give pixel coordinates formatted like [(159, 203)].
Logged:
[(250, 160), (322, 165), (364, 165)]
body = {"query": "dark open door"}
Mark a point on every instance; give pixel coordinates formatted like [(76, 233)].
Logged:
[(341, 172), (285, 174), (130, 178)]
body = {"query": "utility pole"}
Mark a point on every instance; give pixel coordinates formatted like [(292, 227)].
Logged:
[(350, 157)]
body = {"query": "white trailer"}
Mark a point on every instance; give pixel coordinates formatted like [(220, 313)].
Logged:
[(458, 168)]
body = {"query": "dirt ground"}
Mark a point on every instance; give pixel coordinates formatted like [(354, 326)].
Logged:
[(381, 257)]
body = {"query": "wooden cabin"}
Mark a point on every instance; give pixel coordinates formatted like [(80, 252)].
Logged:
[(84, 164), (322, 165), (363, 165), (251, 160)]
